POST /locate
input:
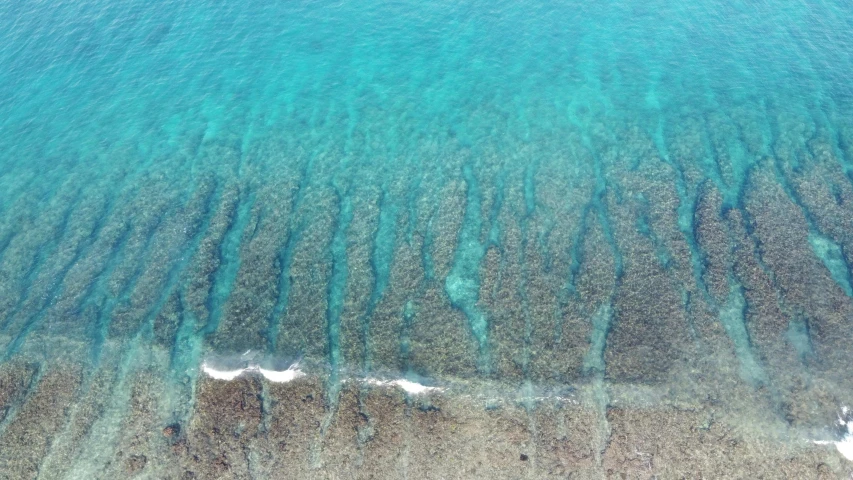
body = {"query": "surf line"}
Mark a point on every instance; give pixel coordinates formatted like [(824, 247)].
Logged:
[(283, 376)]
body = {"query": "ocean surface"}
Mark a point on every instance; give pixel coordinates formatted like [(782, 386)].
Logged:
[(626, 202)]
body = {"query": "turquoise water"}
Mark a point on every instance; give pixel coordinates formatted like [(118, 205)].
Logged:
[(530, 193)]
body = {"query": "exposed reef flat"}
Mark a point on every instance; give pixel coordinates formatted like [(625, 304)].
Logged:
[(60, 424)]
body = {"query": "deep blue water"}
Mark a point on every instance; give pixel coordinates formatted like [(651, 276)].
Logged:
[(533, 193)]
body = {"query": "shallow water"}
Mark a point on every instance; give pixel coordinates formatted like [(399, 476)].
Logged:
[(649, 200)]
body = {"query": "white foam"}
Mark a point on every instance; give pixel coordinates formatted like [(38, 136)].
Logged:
[(293, 372), (407, 386), (283, 376), (845, 445), (227, 375)]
